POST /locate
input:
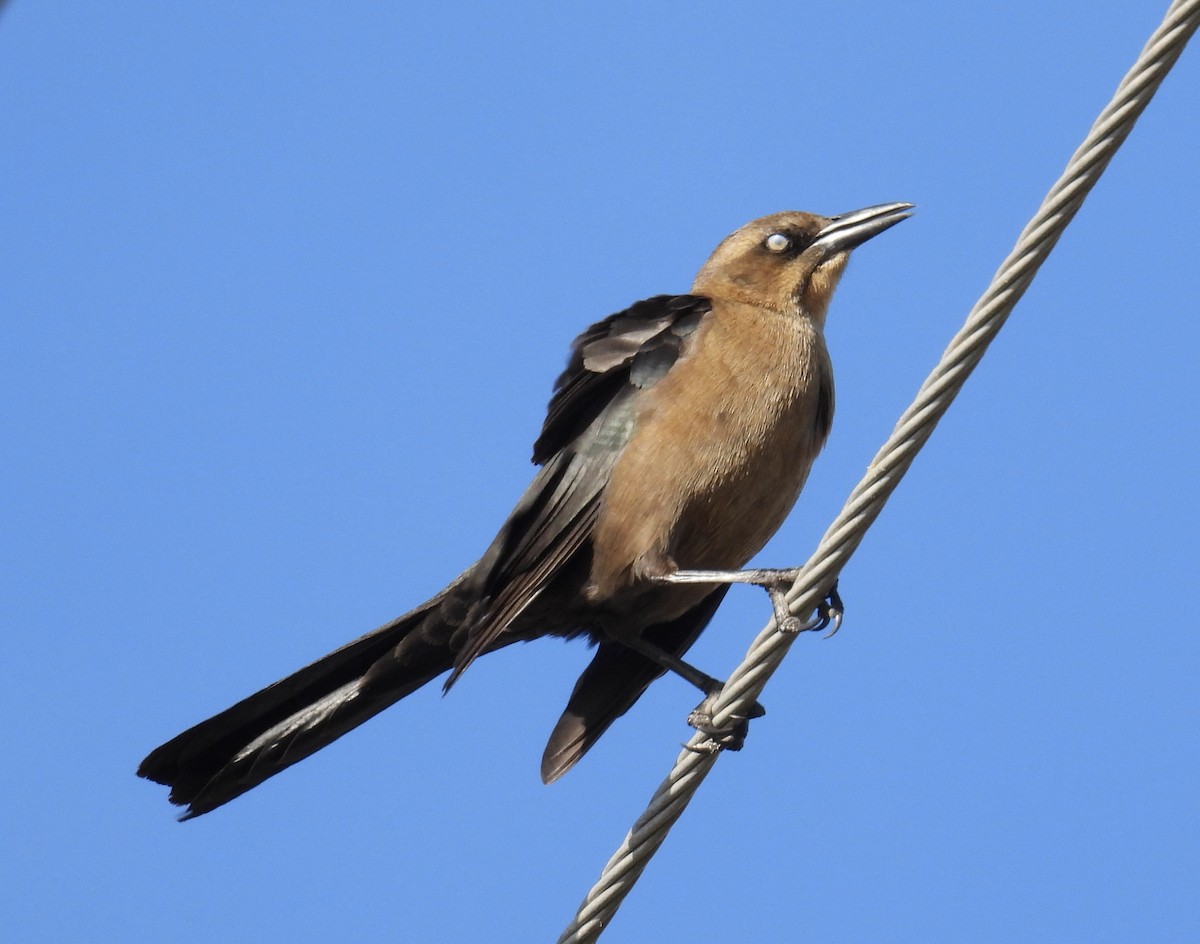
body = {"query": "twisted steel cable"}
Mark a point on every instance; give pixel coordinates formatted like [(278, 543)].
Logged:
[(915, 426)]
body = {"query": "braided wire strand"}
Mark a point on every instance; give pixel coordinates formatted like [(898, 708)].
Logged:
[(884, 473)]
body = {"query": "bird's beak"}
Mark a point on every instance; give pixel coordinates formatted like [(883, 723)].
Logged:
[(848, 230)]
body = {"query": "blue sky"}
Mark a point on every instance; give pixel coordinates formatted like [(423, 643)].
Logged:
[(284, 290)]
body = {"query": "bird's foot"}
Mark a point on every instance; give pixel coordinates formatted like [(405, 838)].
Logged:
[(729, 736), (776, 582), (829, 613)]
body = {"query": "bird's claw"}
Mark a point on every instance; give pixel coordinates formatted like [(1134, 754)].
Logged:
[(725, 737), (829, 613)]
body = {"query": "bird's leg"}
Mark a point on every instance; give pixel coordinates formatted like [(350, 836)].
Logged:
[(665, 660), (730, 735), (775, 581)]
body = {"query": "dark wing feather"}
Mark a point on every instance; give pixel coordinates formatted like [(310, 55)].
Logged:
[(599, 362), (588, 422), (824, 420)]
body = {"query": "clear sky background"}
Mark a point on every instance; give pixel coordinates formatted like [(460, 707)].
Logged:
[(283, 292)]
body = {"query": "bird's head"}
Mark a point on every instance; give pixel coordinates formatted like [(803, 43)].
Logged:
[(791, 262)]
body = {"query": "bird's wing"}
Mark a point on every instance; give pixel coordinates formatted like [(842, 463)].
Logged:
[(588, 423), (638, 344)]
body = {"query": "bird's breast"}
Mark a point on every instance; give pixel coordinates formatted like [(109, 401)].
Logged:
[(719, 452)]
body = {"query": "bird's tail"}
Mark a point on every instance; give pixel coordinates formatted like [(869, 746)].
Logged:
[(613, 681), (232, 752)]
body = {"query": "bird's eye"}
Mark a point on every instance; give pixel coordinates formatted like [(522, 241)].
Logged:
[(777, 242)]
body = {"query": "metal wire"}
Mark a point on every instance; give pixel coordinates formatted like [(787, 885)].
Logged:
[(893, 459)]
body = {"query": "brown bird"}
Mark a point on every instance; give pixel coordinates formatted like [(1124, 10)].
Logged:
[(679, 436)]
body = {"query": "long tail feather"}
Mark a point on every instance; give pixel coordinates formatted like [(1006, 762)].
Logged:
[(221, 758)]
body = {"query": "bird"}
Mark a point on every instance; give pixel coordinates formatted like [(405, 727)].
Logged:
[(675, 443)]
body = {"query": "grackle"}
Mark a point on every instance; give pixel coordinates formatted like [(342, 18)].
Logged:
[(675, 444)]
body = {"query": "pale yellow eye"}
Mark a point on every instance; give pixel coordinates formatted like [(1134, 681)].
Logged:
[(777, 242)]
